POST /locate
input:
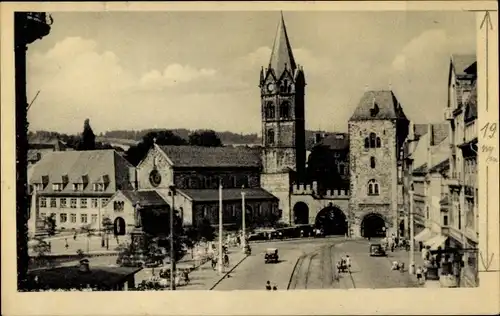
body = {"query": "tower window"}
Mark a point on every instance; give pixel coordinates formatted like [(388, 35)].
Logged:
[(373, 187), (269, 110), (285, 109), (367, 143), (270, 137), (373, 140), (378, 142), (372, 162)]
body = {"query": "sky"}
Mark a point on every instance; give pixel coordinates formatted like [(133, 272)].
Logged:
[(200, 70)]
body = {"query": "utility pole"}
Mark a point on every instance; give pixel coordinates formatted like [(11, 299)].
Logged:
[(243, 220), (172, 252), (412, 232)]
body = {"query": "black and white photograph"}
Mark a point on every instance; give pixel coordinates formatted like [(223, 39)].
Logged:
[(268, 150)]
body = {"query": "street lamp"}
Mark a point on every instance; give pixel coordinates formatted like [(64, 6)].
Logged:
[(243, 222), (220, 227), (172, 252)]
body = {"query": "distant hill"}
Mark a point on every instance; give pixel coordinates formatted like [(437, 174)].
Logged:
[(130, 137)]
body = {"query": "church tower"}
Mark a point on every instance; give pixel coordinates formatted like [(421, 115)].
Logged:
[(282, 86)]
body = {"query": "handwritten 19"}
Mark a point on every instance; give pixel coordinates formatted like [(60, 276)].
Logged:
[(491, 128)]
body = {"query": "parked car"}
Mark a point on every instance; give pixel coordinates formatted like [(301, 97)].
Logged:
[(376, 250)]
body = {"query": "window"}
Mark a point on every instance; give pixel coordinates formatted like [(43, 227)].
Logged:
[(94, 218), (73, 218), (427, 215), (270, 136), (367, 143), (373, 140), (63, 217), (205, 211), (378, 142), (373, 187), (99, 187), (72, 203), (75, 187), (269, 110), (285, 109), (62, 203), (83, 203), (445, 220), (94, 203), (372, 162), (103, 202), (83, 218), (43, 215), (53, 202), (43, 202), (57, 187), (118, 205)]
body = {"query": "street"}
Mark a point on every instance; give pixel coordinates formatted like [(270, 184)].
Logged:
[(310, 264)]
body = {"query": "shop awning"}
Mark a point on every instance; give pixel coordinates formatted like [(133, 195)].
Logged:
[(423, 235), (436, 241)]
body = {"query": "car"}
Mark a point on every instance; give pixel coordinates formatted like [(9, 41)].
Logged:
[(271, 255), (376, 250)]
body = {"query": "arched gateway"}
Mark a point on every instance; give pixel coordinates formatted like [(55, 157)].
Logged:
[(373, 225), (301, 213), (332, 220)]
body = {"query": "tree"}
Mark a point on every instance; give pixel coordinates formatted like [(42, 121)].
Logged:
[(41, 248), (207, 138), (321, 168), (136, 153), (88, 137), (50, 224)]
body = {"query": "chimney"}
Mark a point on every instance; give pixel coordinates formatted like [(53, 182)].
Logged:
[(84, 266)]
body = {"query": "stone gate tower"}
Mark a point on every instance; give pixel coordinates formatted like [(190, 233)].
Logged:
[(377, 130), (282, 85)]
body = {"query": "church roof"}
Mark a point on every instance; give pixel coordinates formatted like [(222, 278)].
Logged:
[(378, 105), (211, 195), (281, 55), (212, 157), (144, 198)]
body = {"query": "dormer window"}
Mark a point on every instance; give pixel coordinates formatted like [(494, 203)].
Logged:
[(38, 186), (57, 187), (99, 187)]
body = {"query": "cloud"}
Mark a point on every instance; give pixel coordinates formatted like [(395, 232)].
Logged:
[(175, 74), (431, 43)]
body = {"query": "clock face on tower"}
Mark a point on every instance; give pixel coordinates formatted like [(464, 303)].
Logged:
[(270, 87), (155, 178)]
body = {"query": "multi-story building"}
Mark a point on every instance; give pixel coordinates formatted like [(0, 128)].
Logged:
[(377, 130), (75, 186), (461, 113)]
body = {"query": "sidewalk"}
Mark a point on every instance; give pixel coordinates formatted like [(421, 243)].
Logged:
[(205, 278)]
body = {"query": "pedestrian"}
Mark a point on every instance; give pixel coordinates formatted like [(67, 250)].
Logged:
[(275, 288), (66, 243), (392, 247), (74, 236), (268, 286), (348, 263), (419, 275)]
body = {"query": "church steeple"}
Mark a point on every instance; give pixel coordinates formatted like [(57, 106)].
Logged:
[(281, 55)]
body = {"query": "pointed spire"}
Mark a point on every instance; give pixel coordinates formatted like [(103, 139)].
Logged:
[(261, 76), (281, 55)]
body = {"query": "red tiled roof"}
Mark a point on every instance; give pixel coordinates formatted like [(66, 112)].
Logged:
[(198, 156), (378, 105), (206, 195)]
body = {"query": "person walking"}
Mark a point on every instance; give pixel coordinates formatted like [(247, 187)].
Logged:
[(348, 263), (268, 286), (419, 274)]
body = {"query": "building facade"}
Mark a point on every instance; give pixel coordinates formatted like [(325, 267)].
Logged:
[(377, 130), (461, 114), (75, 186)]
